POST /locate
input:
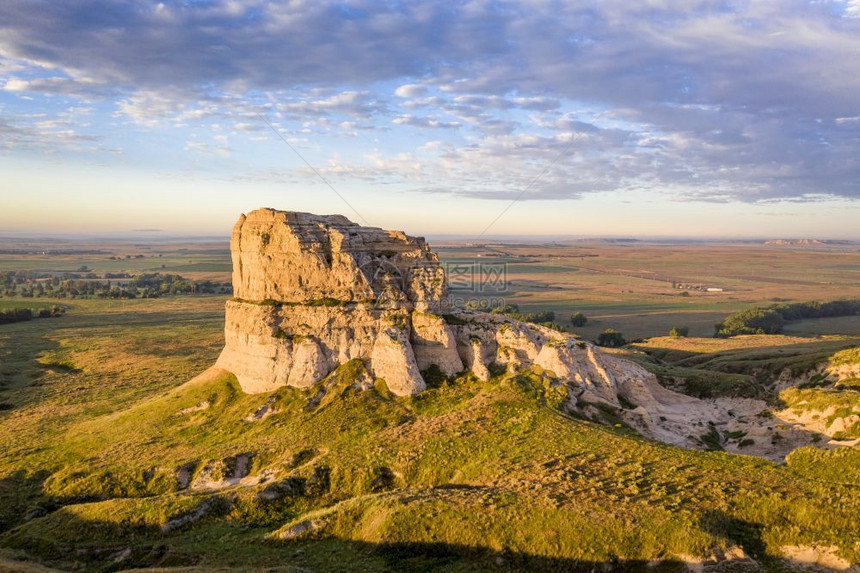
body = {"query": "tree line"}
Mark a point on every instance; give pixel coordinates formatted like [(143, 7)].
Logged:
[(31, 284), (10, 315), (771, 319)]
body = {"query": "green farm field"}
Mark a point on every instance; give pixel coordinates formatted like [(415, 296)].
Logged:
[(99, 357)]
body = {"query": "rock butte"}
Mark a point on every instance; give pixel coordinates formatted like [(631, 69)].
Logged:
[(314, 292)]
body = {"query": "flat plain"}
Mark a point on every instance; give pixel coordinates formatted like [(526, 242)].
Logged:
[(644, 289)]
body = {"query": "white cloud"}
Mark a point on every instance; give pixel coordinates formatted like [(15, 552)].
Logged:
[(410, 91), (351, 103), (16, 85), (148, 108), (538, 103), (218, 147), (425, 122), (57, 86), (48, 135)]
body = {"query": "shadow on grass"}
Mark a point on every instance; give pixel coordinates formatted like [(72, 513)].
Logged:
[(66, 541), (215, 543), (745, 535), (438, 557), (20, 372), (322, 555), (19, 495)]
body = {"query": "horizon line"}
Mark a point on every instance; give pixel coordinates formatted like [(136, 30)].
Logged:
[(158, 235)]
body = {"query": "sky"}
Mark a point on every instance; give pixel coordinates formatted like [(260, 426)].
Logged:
[(688, 118)]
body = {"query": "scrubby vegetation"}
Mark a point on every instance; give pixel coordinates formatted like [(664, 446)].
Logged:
[(828, 406), (701, 383), (841, 465), (815, 309), (543, 318), (752, 321), (679, 331), (578, 319), (846, 357), (743, 366)]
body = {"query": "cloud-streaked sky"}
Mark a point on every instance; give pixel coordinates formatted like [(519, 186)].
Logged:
[(654, 117)]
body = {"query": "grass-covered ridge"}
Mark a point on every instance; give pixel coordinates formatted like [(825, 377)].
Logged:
[(455, 478), (741, 366), (848, 357)]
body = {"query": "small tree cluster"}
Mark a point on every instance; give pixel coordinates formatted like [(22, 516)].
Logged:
[(610, 338), (513, 311), (31, 284), (578, 319), (751, 321)]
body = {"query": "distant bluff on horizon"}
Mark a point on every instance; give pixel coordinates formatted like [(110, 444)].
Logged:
[(313, 293)]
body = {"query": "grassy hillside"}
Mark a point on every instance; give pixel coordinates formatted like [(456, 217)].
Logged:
[(743, 366), (113, 461)]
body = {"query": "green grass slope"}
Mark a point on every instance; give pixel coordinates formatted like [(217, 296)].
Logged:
[(467, 476), (475, 470)]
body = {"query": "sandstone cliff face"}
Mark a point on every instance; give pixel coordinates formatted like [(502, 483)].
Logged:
[(299, 258), (315, 292)]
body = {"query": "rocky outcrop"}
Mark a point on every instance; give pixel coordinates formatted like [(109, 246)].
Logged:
[(393, 360), (314, 292), (434, 343)]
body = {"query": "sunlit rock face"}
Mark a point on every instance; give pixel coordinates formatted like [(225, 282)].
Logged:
[(300, 258), (313, 292)]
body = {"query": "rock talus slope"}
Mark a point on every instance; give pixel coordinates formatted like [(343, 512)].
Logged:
[(314, 292)]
